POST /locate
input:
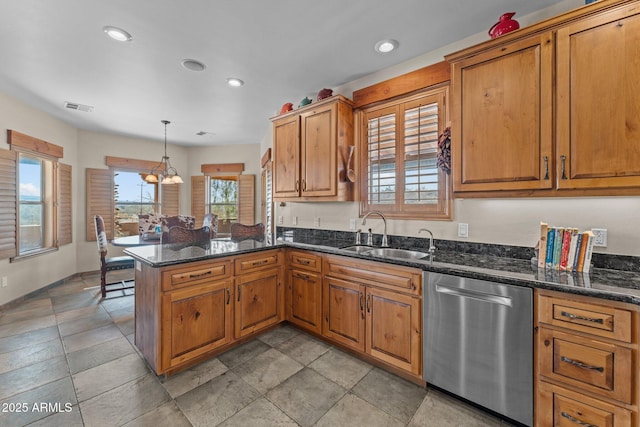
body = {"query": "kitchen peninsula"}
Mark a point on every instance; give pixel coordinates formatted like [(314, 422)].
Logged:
[(195, 302)]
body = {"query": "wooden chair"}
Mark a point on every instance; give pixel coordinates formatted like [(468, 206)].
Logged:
[(211, 221), (187, 235), (243, 231), (110, 264)]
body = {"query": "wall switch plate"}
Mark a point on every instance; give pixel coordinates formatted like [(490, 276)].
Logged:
[(4, 281), (600, 237), (352, 224), (280, 219), (294, 220), (316, 222), (463, 230)]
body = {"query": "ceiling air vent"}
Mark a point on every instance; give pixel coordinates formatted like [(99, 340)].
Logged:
[(79, 107)]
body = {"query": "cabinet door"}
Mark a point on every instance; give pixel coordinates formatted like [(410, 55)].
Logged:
[(196, 320), (598, 124), (286, 157), (258, 301), (305, 300), (393, 329), (502, 108), (344, 312), (319, 168)]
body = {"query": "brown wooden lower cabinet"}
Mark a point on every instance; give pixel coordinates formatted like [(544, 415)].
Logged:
[(305, 300), (369, 316), (258, 301), (196, 320)]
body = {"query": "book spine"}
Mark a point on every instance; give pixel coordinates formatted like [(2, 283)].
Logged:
[(550, 238), (572, 249), (589, 251), (578, 252), (583, 250), (564, 251), (557, 248), (542, 245)]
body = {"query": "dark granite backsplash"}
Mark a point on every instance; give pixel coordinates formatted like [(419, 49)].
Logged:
[(346, 238)]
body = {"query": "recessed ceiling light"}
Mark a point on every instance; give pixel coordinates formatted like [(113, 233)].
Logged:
[(193, 65), (386, 46), (232, 81), (117, 34)]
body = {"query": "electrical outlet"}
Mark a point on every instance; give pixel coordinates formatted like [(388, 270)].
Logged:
[(352, 224), (600, 236), (316, 221), (294, 220), (280, 219), (4, 281), (463, 230)]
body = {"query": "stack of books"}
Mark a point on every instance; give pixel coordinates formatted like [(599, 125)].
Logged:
[(565, 248)]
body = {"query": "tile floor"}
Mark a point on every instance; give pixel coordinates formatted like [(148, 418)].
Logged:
[(67, 359)]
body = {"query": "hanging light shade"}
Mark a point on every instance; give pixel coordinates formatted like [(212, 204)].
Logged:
[(164, 169)]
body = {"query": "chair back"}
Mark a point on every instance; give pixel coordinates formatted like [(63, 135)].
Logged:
[(147, 223), (243, 231), (184, 221), (187, 235), (211, 221), (101, 234)]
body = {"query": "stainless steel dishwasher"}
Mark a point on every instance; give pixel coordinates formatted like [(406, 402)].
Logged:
[(478, 342)]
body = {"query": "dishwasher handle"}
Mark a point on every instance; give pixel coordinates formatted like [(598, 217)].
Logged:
[(480, 296)]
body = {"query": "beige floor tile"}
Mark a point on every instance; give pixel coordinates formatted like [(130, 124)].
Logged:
[(98, 354), (303, 348), (260, 413), (341, 368), (32, 376), (267, 370), (242, 353), (90, 338), (27, 325), (125, 403), (26, 339), (165, 415), (193, 377), (441, 410), (29, 355), (354, 412), (105, 377), (278, 335), (62, 419)]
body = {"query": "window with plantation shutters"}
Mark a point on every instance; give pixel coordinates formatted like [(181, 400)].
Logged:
[(8, 205), (399, 157), (65, 223)]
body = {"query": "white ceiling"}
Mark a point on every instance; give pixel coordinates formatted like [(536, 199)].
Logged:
[(52, 51)]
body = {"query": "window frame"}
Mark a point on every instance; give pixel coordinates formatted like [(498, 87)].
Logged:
[(157, 202), (443, 209)]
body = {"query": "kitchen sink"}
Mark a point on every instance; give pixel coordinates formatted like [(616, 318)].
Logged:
[(398, 253), (388, 252), (359, 249)]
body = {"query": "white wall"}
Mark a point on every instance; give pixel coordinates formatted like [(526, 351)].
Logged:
[(30, 274), (501, 221)]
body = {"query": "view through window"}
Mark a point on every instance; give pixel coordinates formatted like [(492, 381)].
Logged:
[(133, 196), (35, 212), (223, 196)]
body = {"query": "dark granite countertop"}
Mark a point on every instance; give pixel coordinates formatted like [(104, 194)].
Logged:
[(615, 285)]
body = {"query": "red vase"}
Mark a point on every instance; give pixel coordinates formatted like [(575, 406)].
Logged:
[(504, 25)]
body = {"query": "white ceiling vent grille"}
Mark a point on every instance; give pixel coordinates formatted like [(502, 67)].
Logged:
[(79, 107)]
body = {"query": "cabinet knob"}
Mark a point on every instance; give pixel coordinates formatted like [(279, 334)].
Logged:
[(546, 343)]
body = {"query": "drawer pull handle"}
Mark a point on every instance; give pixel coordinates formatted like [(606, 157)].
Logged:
[(228, 295), (304, 261), (581, 365), (577, 421), (302, 276), (368, 301), (576, 317), (195, 276), (362, 304), (257, 263), (546, 167), (239, 288), (563, 159)]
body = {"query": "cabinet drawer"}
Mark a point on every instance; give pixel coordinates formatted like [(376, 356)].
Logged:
[(560, 407), (179, 278), (601, 368), (379, 274), (258, 262), (305, 260), (609, 322)]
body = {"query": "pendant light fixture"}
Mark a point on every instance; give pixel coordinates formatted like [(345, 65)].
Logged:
[(169, 173)]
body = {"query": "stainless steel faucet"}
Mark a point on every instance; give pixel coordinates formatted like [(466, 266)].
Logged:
[(385, 243), (432, 248)]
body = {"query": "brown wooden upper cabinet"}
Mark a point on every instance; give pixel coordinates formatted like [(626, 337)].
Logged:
[(310, 152), (521, 127)]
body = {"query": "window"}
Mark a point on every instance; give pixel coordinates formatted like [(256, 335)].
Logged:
[(400, 149), (223, 201), (36, 204), (133, 196)]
